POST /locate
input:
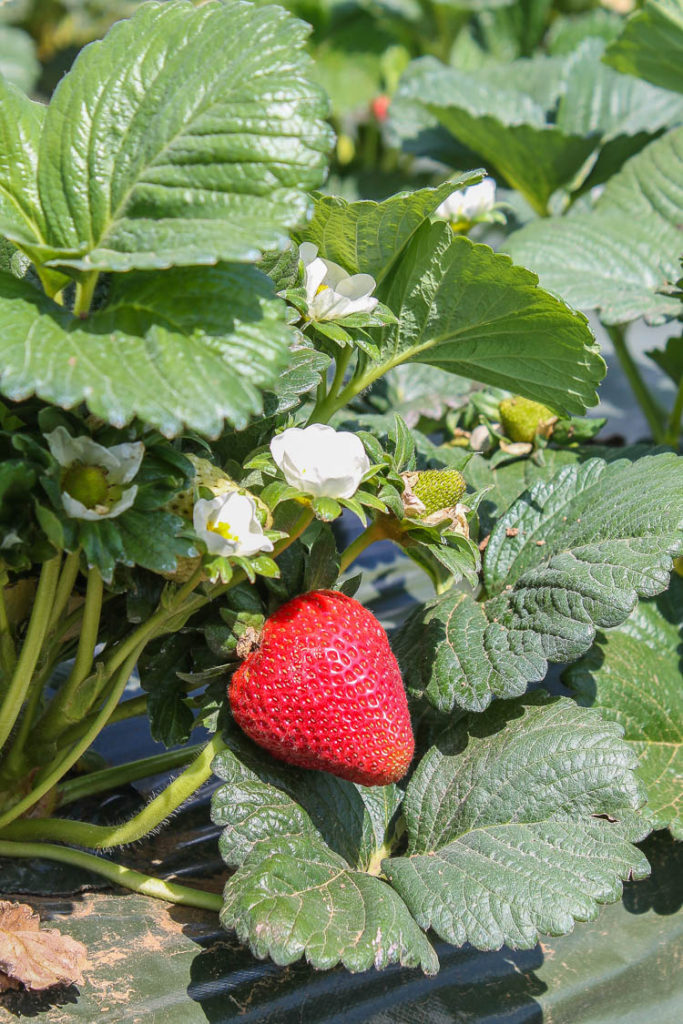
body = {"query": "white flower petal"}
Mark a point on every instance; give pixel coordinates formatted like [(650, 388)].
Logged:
[(307, 252), (332, 293), (77, 510), (320, 461), (238, 514), (469, 203), (128, 457), (67, 450)]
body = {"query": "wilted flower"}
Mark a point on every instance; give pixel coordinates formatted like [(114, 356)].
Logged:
[(94, 477), (229, 525), (469, 204), (331, 293), (320, 460)]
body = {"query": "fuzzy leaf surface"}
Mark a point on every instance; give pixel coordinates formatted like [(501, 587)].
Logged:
[(191, 347), (600, 101), (651, 45), (633, 676), (468, 310), (504, 839), (301, 841), (618, 257), (607, 533), (188, 135)]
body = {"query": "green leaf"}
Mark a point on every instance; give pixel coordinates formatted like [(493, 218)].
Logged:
[(670, 358), (326, 509), (466, 309), (368, 237), (571, 554), (651, 45), (305, 370), (18, 62), (188, 135), (599, 101), (632, 675), (620, 256), (322, 565), (293, 894), (21, 122), (505, 127), (504, 839), (191, 347), (170, 718), (568, 31)]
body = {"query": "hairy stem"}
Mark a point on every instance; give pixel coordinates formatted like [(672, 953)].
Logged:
[(67, 582), (121, 774), (325, 406), (651, 409), (371, 533), (71, 703), (31, 649), (54, 773), (85, 290), (101, 837), (116, 873)]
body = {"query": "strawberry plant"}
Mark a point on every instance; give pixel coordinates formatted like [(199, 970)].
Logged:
[(223, 388)]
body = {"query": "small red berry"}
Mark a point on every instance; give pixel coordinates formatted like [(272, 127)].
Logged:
[(324, 691), (380, 107)]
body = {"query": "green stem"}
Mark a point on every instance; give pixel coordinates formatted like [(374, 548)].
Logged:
[(30, 652), (100, 837), (674, 426), (85, 290), (54, 773), (327, 407), (67, 582), (651, 409), (116, 873), (8, 654), (121, 774), (370, 534), (74, 699)]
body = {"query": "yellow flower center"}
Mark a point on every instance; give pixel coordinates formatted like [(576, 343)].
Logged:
[(322, 288), (222, 529)]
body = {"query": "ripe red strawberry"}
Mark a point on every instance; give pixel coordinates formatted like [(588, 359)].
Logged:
[(324, 691), (380, 106)]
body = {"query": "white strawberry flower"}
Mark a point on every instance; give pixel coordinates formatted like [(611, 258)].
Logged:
[(331, 293), (469, 204), (94, 478), (320, 460), (229, 525)]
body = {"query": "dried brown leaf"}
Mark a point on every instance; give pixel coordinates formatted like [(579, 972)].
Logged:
[(38, 959)]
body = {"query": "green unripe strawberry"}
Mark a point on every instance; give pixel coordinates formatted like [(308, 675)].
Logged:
[(87, 484), (438, 488), (523, 419)]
